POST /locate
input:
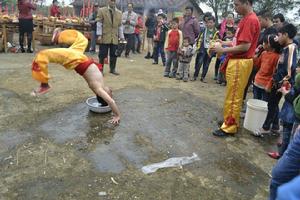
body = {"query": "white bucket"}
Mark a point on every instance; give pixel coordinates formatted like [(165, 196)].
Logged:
[(256, 114)]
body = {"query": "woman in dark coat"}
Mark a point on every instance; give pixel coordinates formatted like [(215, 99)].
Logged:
[(150, 25)]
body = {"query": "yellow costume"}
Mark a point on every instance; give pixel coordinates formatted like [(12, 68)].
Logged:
[(238, 68), (74, 38), (237, 75), (70, 57)]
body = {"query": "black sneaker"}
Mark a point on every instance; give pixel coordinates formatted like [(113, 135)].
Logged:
[(220, 133), (172, 75), (194, 79), (203, 80), (148, 56), (29, 51), (115, 73), (155, 63)]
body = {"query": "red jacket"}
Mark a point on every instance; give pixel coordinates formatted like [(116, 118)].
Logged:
[(54, 11), (266, 63), (139, 25), (25, 10)]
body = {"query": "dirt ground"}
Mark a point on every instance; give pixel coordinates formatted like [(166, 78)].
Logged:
[(52, 147)]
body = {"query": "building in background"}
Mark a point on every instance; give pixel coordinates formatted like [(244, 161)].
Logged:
[(173, 8)]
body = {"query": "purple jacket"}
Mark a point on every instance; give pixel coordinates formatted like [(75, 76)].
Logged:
[(190, 28)]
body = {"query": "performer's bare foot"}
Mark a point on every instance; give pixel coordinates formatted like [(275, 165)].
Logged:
[(41, 90)]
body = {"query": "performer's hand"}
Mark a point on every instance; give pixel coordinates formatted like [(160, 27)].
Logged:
[(115, 120), (283, 90), (298, 70), (219, 40), (217, 48), (99, 38)]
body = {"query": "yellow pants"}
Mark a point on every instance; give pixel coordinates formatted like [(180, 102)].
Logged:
[(68, 57), (237, 75), (74, 38)]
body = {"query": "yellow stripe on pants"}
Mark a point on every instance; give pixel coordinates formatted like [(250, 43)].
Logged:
[(237, 75)]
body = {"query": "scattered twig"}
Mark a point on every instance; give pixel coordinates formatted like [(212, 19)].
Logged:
[(64, 159), (45, 160), (7, 158), (114, 181), (17, 157)]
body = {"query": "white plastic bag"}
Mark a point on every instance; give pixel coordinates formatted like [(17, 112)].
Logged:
[(171, 162)]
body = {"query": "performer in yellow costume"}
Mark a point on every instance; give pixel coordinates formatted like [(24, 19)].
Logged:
[(72, 58), (238, 65)]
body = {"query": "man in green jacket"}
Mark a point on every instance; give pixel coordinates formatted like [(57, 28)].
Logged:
[(109, 31)]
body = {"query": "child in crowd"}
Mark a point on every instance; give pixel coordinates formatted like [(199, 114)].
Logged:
[(284, 74), (159, 39), (266, 63), (230, 31), (172, 44), (205, 38), (185, 56), (287, 116)]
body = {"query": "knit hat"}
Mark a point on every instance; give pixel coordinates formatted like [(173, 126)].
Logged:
[(297, 81)]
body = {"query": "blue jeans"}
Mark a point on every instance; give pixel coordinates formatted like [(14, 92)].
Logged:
[(138, 43), (93, 41), (204, 59), (289, 191), (286, 136), (171, 58), (288, 166), (159, 49), (273, 110), (259, 93)]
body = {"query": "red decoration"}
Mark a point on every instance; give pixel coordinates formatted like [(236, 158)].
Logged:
[(230, 120), (35, 67), (106, 61)]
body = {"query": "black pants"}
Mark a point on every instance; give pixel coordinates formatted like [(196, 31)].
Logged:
[(217, 66), (25, 26), (273, 110), (130, 38), (204, 59), (103, 53)]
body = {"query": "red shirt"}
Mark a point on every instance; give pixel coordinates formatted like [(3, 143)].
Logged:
[(247, 32), (25, 10), (54, 11), (267, 63), (139, 25), (173, 42)]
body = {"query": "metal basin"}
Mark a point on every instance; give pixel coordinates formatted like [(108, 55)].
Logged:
[(96, 107)]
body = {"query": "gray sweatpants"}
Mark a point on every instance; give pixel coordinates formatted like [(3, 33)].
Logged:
[(183, 70), (171, 58)]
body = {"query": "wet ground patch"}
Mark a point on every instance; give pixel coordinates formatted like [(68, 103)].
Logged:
[(75, 150)]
